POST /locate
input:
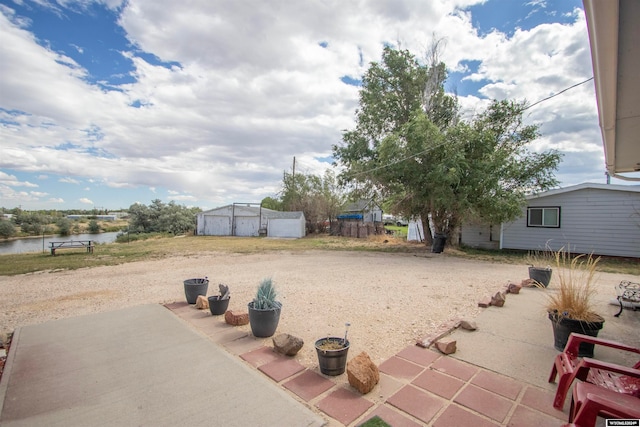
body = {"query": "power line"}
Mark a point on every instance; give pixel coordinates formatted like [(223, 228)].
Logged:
[(556, 94)]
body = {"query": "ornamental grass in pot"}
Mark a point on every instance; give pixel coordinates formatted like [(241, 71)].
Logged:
[(570, 304), (264, 310)]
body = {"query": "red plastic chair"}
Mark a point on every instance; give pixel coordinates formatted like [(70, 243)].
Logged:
[(569, 366), (590, 401)]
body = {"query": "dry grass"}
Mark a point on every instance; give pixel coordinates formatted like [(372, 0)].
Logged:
[(576, 290)]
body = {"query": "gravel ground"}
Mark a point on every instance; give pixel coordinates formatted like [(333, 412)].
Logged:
[(389, 299)]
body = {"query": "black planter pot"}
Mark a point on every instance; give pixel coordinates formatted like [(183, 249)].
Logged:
[(263, 322), (563, 326), (218, 306), (195, 287), (332, 362), (541, 275)]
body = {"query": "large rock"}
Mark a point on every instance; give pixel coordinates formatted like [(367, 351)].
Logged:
[(469, 325), (498, 299), (514, 288), (236, 319), (287, 344), (363, 374), (446, 346), (202, 302)]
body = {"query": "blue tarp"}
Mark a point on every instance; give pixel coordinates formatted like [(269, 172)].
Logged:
[(350, 216)]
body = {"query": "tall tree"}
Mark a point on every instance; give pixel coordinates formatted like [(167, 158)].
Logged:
[(318, 197), (410, 147)]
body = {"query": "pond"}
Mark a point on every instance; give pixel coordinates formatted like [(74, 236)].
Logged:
[(40, 244)]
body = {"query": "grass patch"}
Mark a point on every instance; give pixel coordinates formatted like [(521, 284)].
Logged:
[(375, 422), (158, 247)]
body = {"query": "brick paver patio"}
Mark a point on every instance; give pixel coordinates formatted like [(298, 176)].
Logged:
[(419, 387)]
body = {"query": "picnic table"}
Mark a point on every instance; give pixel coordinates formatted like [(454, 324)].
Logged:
[(70, 244)]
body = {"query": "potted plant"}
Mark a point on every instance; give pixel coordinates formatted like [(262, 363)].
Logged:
[(332, 353), (570, 306), (195, 287), (540, 266), (264, 310), (218, 304)]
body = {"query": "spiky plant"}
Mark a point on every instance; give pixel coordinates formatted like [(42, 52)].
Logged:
[(576, 276), (266, 296)]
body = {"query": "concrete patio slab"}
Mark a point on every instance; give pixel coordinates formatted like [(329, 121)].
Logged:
[(137, 366)]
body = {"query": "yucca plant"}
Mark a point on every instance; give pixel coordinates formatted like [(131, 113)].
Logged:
[(266, 296), (574, 297)]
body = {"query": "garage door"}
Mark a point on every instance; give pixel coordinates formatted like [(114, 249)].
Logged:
[(215, 225), (246, 226)]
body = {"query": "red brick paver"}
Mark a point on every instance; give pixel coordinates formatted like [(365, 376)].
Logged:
[(344, 405), (484, 402), (417, 386), (309, 385), (417, 403)]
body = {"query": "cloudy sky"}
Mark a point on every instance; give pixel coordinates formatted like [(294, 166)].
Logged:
[(110, 102)]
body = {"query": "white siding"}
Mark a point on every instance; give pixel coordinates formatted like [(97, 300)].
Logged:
[(592, 220), (246, 226), (478, 235), (279, 227), (215, 225)]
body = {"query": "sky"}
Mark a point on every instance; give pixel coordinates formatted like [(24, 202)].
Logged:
[(105, 103)]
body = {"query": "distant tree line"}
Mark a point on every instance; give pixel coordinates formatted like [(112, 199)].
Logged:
[(35, 223)]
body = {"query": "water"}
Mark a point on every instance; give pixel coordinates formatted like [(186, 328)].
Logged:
[(35, 244)]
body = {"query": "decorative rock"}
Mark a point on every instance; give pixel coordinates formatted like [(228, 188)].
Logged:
[(514, 289), (202, 302), (498, 299), (442, 330), (446, 347), (236, 319), (224, 291), (287, 344), (484, 302), (363, 374), (528, 283), (469, 325)]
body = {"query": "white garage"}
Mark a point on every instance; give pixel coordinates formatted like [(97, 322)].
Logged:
[(242, 219)]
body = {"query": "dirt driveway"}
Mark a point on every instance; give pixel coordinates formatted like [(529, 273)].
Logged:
[(389, 299)]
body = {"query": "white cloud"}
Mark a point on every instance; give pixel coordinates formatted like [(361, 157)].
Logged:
[(11, 180), (85, 201), (255, 88), (68, 180)]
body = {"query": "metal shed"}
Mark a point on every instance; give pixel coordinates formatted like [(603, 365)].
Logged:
[(250, 219)]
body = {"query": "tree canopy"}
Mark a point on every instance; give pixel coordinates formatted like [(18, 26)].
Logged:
[(411, 147), (162, 217), (320, 198)]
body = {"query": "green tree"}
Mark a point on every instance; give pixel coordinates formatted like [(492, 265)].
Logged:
[(7, 229), (318, 197), (140, 219), (162, 218), (64, 226), (411, 148), (94, 227), (271, 203)]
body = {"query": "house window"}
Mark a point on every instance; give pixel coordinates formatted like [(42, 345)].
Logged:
[(543, 217)]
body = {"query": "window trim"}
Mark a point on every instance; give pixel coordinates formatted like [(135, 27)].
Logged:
[(556, 208)]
